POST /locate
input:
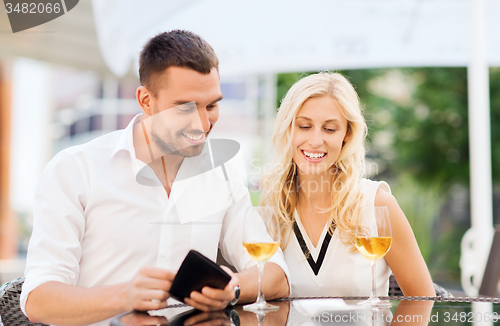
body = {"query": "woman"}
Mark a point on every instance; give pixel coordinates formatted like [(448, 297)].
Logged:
[(317, 187)]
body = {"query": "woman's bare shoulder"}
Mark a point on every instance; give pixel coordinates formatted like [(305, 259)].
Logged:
[(384, 198)]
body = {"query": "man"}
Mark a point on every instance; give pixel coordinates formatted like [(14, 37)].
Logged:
[(110, 224)]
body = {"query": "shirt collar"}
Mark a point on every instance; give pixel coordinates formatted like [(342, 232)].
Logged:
[(126, 140)]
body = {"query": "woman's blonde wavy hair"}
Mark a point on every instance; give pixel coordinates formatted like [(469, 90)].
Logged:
[(279, 183)]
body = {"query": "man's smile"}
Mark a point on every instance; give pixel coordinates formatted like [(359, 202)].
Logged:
[(194, 139)]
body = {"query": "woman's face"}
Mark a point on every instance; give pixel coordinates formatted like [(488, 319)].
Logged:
[(320, 129)]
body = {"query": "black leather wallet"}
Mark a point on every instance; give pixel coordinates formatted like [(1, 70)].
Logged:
[(196, 272)]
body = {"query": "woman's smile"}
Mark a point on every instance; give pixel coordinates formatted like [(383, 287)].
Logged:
[(313, 156)]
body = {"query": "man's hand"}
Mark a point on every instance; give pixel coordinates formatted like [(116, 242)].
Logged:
[(211, 299), (149, 289)]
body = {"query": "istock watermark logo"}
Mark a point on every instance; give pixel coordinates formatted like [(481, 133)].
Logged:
[(30, 13)]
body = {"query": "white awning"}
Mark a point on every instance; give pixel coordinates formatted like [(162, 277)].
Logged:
[(263, 36)]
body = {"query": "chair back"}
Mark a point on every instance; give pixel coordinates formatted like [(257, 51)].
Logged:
[(10, 310), (491, 278), (395, 290)]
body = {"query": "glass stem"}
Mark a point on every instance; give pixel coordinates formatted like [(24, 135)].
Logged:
[(374, 286), (260, 296)]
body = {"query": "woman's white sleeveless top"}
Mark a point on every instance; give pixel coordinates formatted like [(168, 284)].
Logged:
[(334, 270)]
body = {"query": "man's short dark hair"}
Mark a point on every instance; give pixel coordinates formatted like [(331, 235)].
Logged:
[(175, 48)]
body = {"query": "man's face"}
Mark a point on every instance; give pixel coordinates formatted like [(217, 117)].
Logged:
[(184, 110)]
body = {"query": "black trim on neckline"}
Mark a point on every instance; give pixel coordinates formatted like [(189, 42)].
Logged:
[(315, 265)]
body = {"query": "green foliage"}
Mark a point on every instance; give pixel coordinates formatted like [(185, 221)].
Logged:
[(421, 206), (284, 82), (439, 245), (444, 264), (438, 143)]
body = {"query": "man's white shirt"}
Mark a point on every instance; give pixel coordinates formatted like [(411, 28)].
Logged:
[(99, 216)]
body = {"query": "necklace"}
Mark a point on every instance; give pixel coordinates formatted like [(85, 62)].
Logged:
[(306, 226), (303, 221)]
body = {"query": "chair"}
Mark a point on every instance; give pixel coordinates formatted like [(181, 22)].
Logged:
[(395, 290), (10, 310)]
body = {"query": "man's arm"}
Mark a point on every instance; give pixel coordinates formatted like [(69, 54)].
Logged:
[(62, 304), (50, 294)]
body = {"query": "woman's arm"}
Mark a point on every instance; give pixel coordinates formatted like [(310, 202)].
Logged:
[(404, 257)]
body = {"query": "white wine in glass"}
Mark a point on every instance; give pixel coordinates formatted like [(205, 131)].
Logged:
[(373, 240), (261, 251), (261, 240)]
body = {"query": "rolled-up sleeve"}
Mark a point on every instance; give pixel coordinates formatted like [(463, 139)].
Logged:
[(54, 249)]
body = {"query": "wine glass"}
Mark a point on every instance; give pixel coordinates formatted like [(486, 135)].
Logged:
[(373, 240), (261, 239)]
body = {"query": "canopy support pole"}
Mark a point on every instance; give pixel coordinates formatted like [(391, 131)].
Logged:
[(481, 195)]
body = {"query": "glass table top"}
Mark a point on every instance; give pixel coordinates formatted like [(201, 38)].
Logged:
[(323, 311)]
